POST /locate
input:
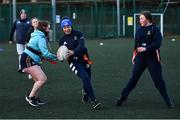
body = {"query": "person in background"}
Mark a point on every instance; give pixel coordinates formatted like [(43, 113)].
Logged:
[(21, 26), (34, 25), (78, 59), (31, 58), (148, 41)]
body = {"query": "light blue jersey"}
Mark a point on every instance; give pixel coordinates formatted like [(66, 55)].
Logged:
[(38, 42)]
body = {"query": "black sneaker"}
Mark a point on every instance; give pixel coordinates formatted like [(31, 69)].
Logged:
[(85, 98), (32, 101), (120, 101), (170, 106), (20, 70), (96, 104), (39, 101)]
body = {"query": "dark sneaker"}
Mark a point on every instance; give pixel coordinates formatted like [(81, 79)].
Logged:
[(20, 70), (32, 101), (170, 106), (120, 101), (85, 98), (39, 101), (96, 104)]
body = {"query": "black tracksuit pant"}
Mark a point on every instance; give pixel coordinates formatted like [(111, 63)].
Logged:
[(150, 61), (83, 70)]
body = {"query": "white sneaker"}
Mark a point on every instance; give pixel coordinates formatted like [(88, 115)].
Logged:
[(29, 76)]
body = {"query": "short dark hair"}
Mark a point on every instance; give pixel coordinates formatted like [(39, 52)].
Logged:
[(148, 15)]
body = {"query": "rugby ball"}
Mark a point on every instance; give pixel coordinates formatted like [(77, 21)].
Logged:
[(62, 53)]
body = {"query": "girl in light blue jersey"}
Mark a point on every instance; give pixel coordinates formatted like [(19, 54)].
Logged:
[(31, 58)]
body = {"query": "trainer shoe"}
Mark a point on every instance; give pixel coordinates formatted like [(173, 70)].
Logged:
[(39, 101), (170, 106), (29, 76), (85, 98), (120, 101), (96, 104), (32, 101), (20, 70)]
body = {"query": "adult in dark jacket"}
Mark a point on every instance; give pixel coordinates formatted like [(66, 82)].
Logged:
[(21, 26), (148, 40)]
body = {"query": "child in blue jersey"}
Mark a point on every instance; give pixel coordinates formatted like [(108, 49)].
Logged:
[(21, 26), (31, 58), (146, 55), (78, 59)]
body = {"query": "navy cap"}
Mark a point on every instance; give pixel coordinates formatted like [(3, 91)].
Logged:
[(66, 22)]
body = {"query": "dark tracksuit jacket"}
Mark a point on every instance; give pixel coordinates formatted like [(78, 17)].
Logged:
[(75, 41), (150, 38), (21, 27)]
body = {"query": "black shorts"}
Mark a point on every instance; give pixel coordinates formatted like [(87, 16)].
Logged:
[(26, 61)]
